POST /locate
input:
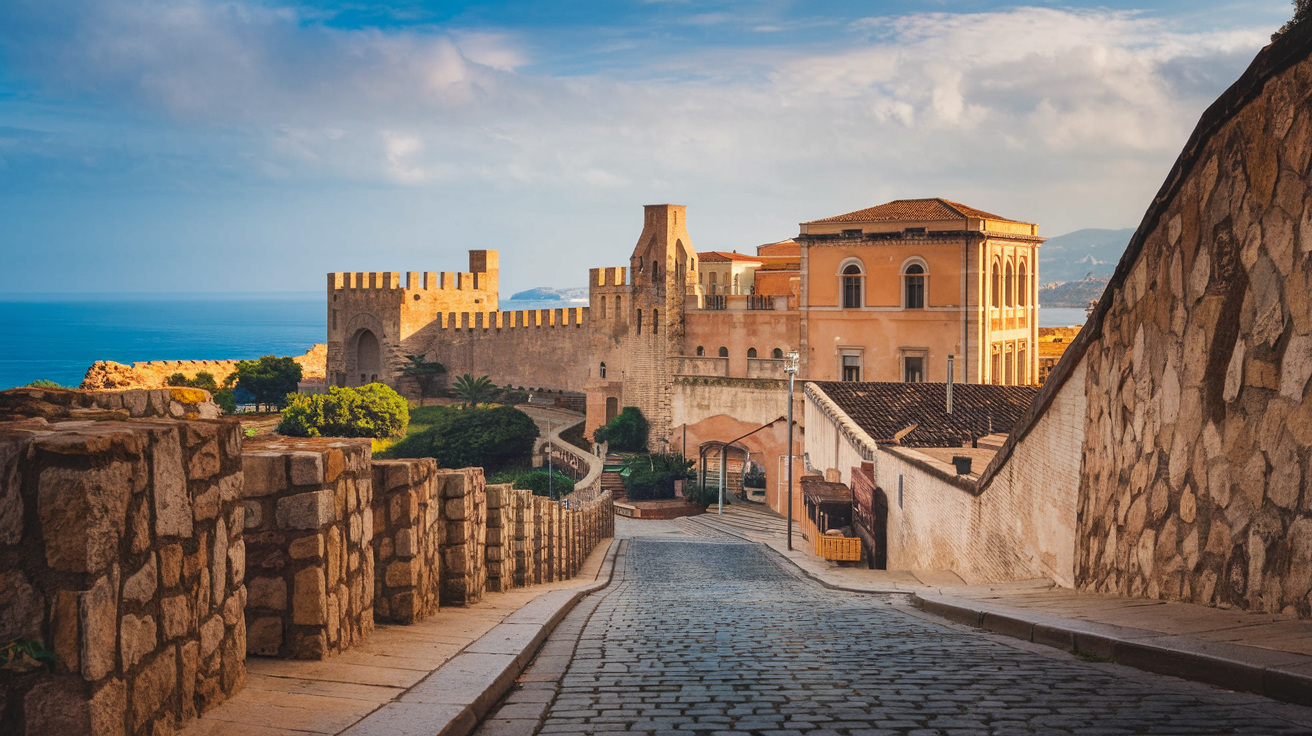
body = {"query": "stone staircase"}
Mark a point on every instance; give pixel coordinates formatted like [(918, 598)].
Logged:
[(611, 480)]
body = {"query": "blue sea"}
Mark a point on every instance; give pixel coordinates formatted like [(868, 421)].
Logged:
[(57, 337)]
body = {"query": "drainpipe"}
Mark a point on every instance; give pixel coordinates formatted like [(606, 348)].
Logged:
[(949, 384), (965, 318)]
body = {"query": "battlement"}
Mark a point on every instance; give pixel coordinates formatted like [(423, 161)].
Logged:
[(414, 281), (616, 276), (523, 318)]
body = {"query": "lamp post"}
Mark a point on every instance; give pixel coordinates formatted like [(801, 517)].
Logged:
[(791, 369)]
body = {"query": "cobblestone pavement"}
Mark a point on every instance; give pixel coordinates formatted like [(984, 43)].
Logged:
[(700, 637)]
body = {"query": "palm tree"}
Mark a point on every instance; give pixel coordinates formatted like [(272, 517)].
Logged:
[(424, 372), (474, 391)]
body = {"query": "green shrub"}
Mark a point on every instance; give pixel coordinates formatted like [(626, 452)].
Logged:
[(203, 380), (269, 379), (651, 477), (374, 410), (700, 495), (535, 481), (627, 432), (226, 401), (491, 438)]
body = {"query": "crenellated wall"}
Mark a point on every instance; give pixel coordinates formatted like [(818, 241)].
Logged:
[(121, 550)]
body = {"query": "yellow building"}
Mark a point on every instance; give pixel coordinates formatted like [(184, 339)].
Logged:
[(889, 292)]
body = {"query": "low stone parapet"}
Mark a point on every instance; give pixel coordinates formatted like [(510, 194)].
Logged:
[(464, 514), (408, 539), (64, 404), (121, 552), (309, 526)]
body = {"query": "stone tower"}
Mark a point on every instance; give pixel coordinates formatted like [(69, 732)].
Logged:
[(662, 265)]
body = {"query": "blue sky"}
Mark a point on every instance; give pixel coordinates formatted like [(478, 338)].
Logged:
[(244, 146)]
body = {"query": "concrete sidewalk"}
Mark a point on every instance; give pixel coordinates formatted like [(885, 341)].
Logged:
[(437, 676), (1266, 654)]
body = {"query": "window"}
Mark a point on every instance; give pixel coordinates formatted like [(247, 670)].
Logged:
[(914, 231), (852, 287), (851, 367), (777, 354), (1022, 366), (913, 369), (915, 290), (724, 352), (639, 321), (995, 367), (700, 351), (997, 287), (655, 272), (618, 313), (334, 317), (1010, 288), (603, 307), (751, 352), (655, 321), (713, 289), (1010, 370), (1023, 287), (602, 371)]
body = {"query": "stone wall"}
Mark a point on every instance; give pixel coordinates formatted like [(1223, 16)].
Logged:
[(1198, 442), (464, 514), (106, 374), (408, 539), (121, 551), (60, 404), (501, 521), (309, 526)]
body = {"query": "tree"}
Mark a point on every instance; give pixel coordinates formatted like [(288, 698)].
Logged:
[(269, 379), (1302, 9), (203, 380), (474, 391), (626, 432), (374, 410), (649, 477), (425, 372), (494, 439)]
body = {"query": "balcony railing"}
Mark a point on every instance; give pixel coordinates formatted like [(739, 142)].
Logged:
[(715, 301), (760, 301)]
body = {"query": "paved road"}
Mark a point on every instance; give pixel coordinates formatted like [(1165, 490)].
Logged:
[(705, 637)]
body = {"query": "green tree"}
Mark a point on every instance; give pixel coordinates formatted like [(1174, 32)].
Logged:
[(649, 477), (425, 372), (494, 439), (1302, 9), (44, 383), (474, 391), (269, 379), (374, 410), (203, 380), (627, 432)]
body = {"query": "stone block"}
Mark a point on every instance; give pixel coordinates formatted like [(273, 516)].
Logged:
[(57, 707), (211, 635), (108, 709), (309, 598), (312, 510), (234, 607), (405, 543), (400, 573), (305, 548), (138, 638), (236, 563), (264, 473), (170, 565), (206, 504), (307, 468), (204, 462), (188, 662), (267, 592), (142, 584), (264, 636), (21, 607), (153, 687), (175, 616), (98, 627), (11, 500), (336, 463), (83, 515), (63, 629), (219, 563), (254, 514), (173, 514)]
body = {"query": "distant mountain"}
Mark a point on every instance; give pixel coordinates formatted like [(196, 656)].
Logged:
[(544, 293), (1080, 254), (1072, 293)]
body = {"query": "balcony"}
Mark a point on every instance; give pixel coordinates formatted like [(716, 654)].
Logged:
[(737, 302)]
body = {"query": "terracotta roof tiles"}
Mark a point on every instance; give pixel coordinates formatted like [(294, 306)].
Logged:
[(884, 409), (936, 208)]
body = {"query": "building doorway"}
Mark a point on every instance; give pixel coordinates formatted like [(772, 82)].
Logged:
[(612, 408), (368, 361)]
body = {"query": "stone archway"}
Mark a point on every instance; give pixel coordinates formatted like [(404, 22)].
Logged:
[(368, 358)]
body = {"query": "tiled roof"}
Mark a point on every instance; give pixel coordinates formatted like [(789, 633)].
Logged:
[(936, 208), (781, 265), (884, 409), (716, 256), (819, 491)]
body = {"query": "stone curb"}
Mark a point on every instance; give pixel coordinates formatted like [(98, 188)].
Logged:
[(454, 698), (1274, 674)]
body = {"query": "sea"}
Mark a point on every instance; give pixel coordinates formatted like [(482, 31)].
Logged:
[(57, 336)]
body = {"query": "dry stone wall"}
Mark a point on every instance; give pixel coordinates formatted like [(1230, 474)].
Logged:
[(408, 539), (309, 526), (464, 514), (1198, 438), (121, 550)]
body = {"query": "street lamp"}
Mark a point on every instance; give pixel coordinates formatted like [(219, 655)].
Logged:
[(791, 369)]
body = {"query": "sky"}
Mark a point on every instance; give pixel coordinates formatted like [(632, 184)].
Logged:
[(197, 145)]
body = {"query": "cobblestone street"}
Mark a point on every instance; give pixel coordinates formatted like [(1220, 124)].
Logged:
[(710, 636)]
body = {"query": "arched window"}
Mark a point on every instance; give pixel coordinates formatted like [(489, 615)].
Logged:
[(915, 286), (603, 307), (655, 272), (996, 297), (602, 370), (724, 352), (639, 321), (1023, 287), (1010, 287), (777, 354), (700, 351), (751, 352), (852, 287), (655, 321), (619, 309)]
